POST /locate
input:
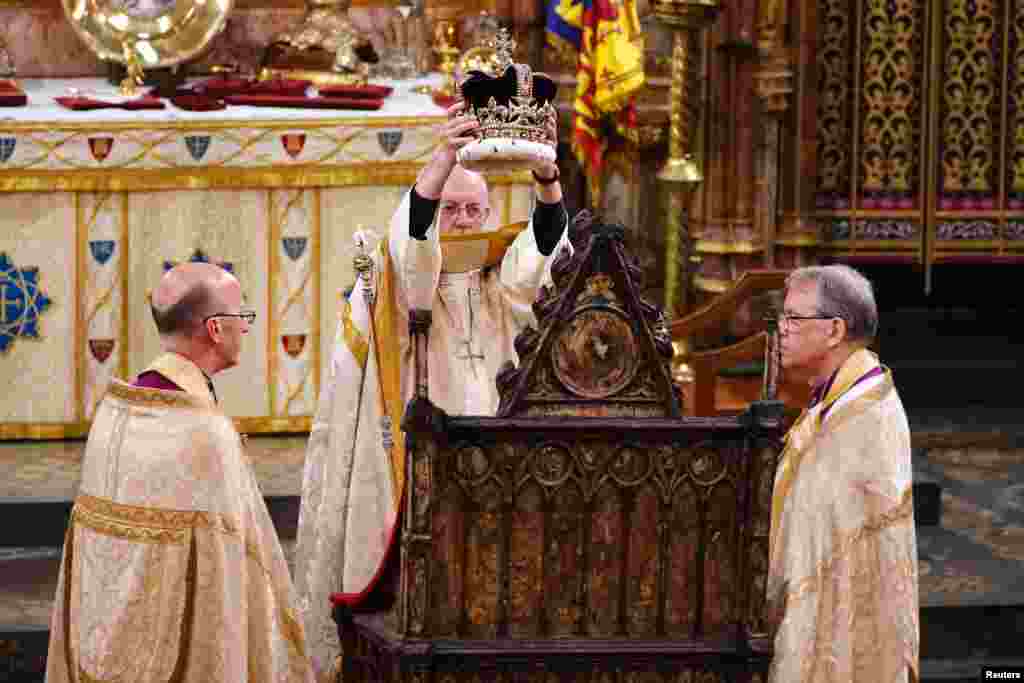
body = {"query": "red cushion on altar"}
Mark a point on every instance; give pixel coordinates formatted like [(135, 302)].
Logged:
[(304, 102), (370, 91), (11, 95), (88, 103), (198, 103), (221, 87), (225, 87), (79, 103), (144, 103), (443, 101), (278, 86)]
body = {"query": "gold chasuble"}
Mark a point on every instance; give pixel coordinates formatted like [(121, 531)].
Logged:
[(172, 571), (355, 461), (843, 567)]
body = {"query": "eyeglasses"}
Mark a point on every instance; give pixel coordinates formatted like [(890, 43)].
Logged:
[(247, 316), (473, 211), (788, 322)]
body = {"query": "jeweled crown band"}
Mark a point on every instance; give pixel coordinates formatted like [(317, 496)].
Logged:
[(521, 119)]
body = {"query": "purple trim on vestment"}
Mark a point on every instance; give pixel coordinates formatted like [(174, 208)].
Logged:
[(873, 372), (151, 379)]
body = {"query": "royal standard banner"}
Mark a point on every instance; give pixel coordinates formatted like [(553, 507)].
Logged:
[(605, 38)]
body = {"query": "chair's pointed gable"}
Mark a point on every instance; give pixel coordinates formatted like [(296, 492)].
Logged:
[(599, 348)]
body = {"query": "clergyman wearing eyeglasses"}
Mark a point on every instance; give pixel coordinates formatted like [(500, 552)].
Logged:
[(437, 256), (172, 569), (842, 583)]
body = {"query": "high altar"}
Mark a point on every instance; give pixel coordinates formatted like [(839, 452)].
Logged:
[(588, 531), (95, 205), (821, 130)]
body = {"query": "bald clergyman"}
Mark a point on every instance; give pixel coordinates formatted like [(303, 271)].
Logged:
[(172, 570), (352, 483)]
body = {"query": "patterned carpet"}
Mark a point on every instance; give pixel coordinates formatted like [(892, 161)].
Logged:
[(51, 469)]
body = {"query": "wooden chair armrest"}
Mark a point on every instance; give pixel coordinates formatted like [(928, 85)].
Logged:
[(725, 306)]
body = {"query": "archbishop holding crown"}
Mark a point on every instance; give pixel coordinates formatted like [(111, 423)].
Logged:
[(442, 253)]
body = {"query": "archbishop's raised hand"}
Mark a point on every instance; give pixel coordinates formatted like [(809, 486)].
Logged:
[(460, 128), (551, 128)]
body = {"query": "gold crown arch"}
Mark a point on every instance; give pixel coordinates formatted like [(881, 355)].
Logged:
[(146, 34)]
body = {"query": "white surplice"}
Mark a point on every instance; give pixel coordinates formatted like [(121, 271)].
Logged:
[(843, 552)]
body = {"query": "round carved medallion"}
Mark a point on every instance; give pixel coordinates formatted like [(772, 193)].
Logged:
[(552, 464), (596, 353), (630, 466), (706, 465), (472, 464)]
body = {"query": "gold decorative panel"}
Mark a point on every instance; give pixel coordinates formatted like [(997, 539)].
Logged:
[(293, 314), (921, 129), (102, 223), (971, 88), (38, 369), (1015, 105), (891, 90)]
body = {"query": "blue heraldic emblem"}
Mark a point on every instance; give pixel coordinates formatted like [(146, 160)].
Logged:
[(21, 302), (294, 246), (199, 256)]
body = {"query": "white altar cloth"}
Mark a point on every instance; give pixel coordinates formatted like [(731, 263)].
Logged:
[(41, 107)]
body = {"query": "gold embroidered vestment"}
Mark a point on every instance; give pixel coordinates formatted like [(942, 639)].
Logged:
[(172, 570)]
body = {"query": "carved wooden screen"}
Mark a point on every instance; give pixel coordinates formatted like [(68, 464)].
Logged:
[(632, 529), (921, 129)]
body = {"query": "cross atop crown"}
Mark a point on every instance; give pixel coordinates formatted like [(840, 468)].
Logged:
[(504, 46)]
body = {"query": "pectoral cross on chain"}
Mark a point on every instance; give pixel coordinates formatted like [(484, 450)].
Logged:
[(468, 343)]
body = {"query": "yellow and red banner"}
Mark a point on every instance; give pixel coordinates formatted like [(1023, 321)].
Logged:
[(606, 38)]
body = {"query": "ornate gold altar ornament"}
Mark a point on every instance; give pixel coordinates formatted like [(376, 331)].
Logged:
[(133, 76), (448, 59), (324, 48), (146, 34), (480, 58), (514, 108), (7, 69), (483, 57)]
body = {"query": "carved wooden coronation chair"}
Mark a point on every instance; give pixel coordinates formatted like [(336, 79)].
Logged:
[(589, 531)]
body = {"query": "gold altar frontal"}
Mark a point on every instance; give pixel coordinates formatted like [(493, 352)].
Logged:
[(94, 206)]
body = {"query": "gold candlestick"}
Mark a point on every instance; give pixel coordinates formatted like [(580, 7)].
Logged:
[(686, 18), (133, 78), (449, 55), (448, 58)]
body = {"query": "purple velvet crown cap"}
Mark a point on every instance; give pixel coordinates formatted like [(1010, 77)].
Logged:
[(478, 88)]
